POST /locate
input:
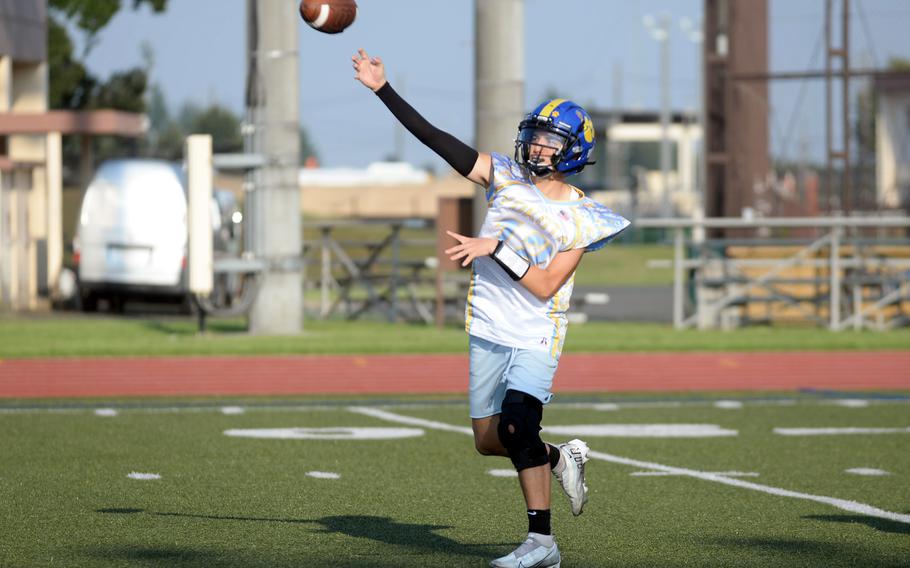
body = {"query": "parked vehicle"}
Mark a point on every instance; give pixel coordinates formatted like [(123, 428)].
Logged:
[(131, 236)]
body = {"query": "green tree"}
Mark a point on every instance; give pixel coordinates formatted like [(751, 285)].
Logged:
[(124, 90), (222, 124), (71, 85), (307, 149), (91, 16)]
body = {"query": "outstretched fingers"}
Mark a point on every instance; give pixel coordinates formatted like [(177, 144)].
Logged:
[(460, 238)]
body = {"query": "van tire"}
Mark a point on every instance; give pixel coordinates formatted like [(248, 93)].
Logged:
[(88, 302), (188, 305)]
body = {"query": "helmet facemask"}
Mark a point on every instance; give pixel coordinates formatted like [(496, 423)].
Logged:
[(539, 148)]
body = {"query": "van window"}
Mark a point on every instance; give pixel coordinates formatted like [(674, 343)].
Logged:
[(135, 204)]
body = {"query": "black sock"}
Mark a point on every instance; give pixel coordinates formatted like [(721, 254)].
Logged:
[(554, 456), (539, 521)]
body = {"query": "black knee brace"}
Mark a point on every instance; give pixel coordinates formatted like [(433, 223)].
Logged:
[(519, 430)]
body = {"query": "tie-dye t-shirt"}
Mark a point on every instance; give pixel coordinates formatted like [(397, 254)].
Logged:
[(500, 309)]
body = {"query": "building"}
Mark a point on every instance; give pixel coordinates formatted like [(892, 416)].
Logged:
[(31, 229), (382, 190), (892, 142), (627, 174)]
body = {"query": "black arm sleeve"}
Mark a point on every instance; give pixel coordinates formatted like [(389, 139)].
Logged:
[(458, 154)]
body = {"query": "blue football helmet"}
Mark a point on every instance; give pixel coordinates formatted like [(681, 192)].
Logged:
[(562, 126)]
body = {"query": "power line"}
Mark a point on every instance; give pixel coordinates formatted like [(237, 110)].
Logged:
[(871, 39), (785, 143)]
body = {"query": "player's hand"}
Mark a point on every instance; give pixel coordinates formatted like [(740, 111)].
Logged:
[(470, 248), (368, 70)]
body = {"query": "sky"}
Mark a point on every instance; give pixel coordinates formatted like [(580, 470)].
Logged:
[(577, 48)]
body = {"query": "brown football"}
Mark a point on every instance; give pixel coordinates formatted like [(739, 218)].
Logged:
[(328, 16)]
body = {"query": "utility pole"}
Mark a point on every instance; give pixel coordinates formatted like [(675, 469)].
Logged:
[(843, 199), (273, 199), (499, 80), (660, 31), (665, 112), (615, 174), (696, 36)]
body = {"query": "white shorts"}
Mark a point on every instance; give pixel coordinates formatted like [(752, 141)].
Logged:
[(496, 368)]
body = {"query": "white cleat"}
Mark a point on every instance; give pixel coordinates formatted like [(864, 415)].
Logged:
[(572, 477), (531, 554)]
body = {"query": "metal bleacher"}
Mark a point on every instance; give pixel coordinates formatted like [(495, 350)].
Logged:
[(852, 273)]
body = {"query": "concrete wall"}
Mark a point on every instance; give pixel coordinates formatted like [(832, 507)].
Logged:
[(419, 200), (30, 227)]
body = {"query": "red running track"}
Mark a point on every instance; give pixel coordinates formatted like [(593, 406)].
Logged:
[(373, 374)]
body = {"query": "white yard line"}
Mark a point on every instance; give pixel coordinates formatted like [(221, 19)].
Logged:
[(723, 473), (867, 471), (603, 406), (843, 504), (143, 476), (401, 419), (838, 431)]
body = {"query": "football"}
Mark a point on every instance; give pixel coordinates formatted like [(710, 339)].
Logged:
[(328, 16)]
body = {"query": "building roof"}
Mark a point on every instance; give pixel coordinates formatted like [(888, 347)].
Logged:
[(96, 122), (23, 29), (894, 82), (377, 173), (625, 116)]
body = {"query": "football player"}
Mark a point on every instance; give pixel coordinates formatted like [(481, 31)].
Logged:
[(537, 228)]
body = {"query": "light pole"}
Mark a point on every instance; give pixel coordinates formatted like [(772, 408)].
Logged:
[(660, 31), (693, 32)]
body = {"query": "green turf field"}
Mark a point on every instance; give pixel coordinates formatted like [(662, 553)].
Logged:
[(77, 336), (66, 498)]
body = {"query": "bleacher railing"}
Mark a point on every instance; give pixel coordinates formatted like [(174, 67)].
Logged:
[(861, 267)]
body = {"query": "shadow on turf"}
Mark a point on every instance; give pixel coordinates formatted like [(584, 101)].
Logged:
[(179, 328), (793, 552), (158, 555), (883, 525), (380, 529)]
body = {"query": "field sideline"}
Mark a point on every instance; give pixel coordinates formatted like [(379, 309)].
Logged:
[(745, 480)]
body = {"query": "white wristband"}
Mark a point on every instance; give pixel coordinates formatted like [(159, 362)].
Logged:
[(510, 261)]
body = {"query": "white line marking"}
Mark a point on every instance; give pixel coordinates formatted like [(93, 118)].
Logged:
[(232, 410), (323, 475), (391, 417), (866, 471), (664, 473), (325, 433), (105, 412), (642, 430), (843, 504), (155, 409), (728, 404), (852, 403), (503, 473), (838, 431), (143, 476)]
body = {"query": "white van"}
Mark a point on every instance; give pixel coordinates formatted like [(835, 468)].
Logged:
[(131, 236)]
